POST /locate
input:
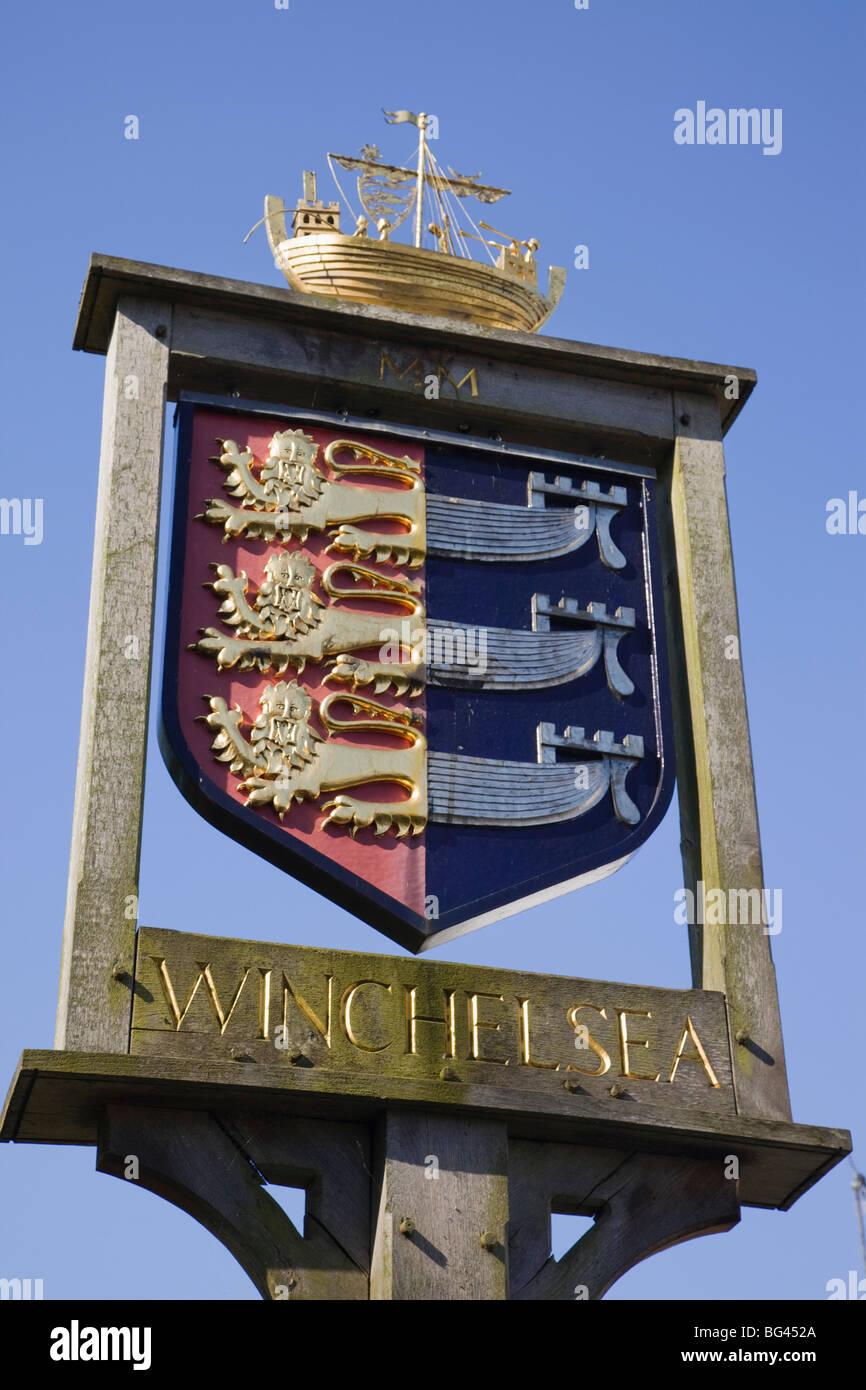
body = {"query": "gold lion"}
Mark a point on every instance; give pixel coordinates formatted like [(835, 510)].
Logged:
[(284, 760), (285, 622), (292, 497)]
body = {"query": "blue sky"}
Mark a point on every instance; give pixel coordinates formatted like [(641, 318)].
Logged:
[(715, 252)]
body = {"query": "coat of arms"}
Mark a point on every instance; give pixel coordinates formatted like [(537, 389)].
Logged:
[(423, 674)]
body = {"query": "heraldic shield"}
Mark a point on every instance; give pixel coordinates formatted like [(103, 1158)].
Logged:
[(423, 673)]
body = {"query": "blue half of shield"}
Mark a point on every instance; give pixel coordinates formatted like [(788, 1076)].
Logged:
[(547, 703)]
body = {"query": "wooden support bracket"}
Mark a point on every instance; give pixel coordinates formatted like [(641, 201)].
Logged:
[(207, 1165), (642, 1203), (416, 1207)]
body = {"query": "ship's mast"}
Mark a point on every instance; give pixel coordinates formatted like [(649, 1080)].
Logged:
[(419, 197), (390, 176)]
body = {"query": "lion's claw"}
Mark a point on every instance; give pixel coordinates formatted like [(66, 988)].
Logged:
[(354, 671)]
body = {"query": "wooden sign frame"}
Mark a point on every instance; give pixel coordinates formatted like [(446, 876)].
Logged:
[(166, 331)]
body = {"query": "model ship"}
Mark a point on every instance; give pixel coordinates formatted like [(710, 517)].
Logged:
[(368, 266)]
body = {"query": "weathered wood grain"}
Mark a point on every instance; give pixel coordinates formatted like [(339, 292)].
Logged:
[(329, 1159), (111, 277), (191, 1159), (718, 810), (461, 1213), (644, 1204), (543, 1178), (529, 390), (58, 1098), (101, 905), (369, 1017), (441, 1209)]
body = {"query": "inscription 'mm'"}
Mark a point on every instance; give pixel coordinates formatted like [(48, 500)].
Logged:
[(420, 375)]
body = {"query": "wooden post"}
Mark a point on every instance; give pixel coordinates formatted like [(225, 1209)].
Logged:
[(442, 1208), (102, 897), (718, 812)]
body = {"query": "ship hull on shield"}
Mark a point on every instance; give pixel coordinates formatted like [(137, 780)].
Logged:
[(426, 677)]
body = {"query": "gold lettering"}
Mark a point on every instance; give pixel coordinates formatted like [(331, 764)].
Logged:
[(625, 1042), (475, 1023), (441, 374), (447, 1021), (470, 376), (699, 1055), (323, 1029), (526, 1059), (204, 973), (345, 1015), (386, 362), (592, 1044), (264, 1002)]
